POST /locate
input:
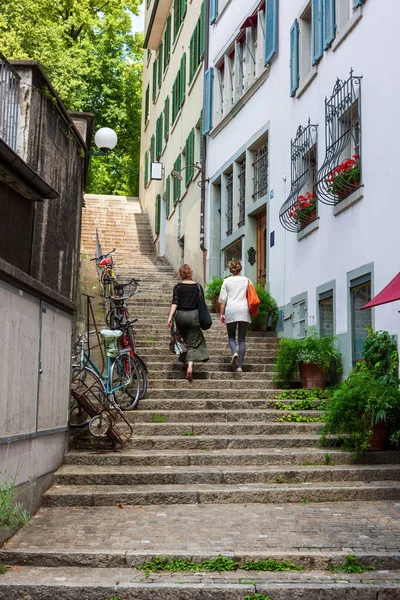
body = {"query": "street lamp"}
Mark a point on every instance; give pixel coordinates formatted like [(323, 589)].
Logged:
[(177, 174), (105, 139)]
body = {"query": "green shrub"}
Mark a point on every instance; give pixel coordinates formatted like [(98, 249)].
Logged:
[(12, 513), (268, 309), (357, 405), (310, 350), (381, 358), (213, 288)]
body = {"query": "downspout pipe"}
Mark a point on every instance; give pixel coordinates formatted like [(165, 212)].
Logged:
[(206, 63)]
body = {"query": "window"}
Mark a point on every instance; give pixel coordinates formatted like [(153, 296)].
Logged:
[(305, 43), (179, 89), (180, 7), (340, 173), (147, 104), (177, 182), (344, 12), (299, 320), (220, 83), (326, 315), (146, 169), (260, 167), (300, 209), (360, 294), (189, 154), (230, 99), (167, 43), (160, 65), (242, 192), (154, 80), (234, 252), (241, 58), (197, 45), (166, 119), (229, 203)]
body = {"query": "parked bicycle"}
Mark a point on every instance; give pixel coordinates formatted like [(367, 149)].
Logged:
[(118, 307), (105, 266)]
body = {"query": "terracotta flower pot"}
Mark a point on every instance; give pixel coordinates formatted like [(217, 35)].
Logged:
[(312, 376), (216, 304), (378, 439)]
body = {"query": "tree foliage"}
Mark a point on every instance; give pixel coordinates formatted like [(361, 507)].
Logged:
[(87, 49)]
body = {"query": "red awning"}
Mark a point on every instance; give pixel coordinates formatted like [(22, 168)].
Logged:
[(250, 22), (389, 294)]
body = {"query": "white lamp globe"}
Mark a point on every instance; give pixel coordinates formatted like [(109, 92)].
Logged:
[(105, 139)]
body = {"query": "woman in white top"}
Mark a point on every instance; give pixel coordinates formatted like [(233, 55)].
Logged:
[(234, 311)]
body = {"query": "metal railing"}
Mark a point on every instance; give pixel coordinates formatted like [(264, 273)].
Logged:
[(242, 193), (229, 204), (260, 166), (9, 102)]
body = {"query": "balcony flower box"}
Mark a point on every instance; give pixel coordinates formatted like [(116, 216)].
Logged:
[(345, 178), (304, 211)]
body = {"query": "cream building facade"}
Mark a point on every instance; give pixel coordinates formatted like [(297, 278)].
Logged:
[(172, 126)]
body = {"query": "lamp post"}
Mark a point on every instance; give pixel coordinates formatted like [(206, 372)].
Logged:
[(105, 139)]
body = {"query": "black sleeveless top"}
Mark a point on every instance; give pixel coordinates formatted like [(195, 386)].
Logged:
[(186, 296)]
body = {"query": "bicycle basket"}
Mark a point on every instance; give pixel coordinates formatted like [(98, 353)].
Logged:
[(110, 338)]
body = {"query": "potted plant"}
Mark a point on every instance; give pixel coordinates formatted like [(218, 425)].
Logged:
[(212, 291), (345, 178), (364, 410), (311, 357), (268, 309), (304, 211)]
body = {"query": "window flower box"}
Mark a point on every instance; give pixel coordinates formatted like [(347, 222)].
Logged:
[(304, 211), (345, 178)]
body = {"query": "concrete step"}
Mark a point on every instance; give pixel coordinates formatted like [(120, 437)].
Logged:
[(216, 416), (75, 583), (301, 456), (164, 406), (187, 441), (214, 375), (235, 382), (111, 495), (193, 391), (232, 428), (219, 475)]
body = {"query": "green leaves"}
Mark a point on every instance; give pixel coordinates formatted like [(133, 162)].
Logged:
[(87, 49), (12, 514)]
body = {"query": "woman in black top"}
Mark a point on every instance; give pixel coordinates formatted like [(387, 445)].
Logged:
[(184, 308)]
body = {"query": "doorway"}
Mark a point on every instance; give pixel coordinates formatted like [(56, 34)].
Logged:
[(262, 248)]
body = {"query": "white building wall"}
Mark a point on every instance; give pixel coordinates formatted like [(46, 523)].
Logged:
[(368, 231)]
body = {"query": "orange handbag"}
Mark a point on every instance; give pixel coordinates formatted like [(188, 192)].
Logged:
[(252, 300)]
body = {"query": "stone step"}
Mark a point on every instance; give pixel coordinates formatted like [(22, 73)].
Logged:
[(215, 352), (302, 456), (82, 439), (213, 375), (193, 391), (220, 475), (252, 347), (164, 406), (215, 416), (235, 382), (75, 583), (111, 495), (221, 367), (227, 428)]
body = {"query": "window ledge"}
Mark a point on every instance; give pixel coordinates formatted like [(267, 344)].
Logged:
[(178, 35), (308, 230), (357, 15), (349, 201), (195, 77), (175, 122), (166, 70), (240, 103), (307, 82)]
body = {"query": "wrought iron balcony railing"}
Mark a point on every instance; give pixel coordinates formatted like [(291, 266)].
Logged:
[(229, 204), (9, 102), (260, 166), (242, 193)]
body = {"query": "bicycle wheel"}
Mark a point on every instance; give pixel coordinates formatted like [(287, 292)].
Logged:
[(100, 424), (125, 375), (114, 316), (141, 364)]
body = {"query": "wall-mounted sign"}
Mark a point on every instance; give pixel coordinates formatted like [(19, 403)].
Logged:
[(272, 239), (156, 171), (251, 255)]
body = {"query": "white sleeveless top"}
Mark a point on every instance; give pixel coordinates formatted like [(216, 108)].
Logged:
[(234, 295)]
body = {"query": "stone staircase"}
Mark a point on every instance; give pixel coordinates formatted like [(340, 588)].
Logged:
[(209, 470)]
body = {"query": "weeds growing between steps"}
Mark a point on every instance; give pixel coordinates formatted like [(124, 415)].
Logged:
[(218, 564)]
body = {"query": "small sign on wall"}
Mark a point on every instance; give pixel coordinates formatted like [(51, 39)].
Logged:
[(156, 171), (272, 239)]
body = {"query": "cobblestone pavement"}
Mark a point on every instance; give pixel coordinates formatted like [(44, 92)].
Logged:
[(332, 527)]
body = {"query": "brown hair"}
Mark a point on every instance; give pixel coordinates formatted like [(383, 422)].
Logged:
[(185, 272), (235, 266)]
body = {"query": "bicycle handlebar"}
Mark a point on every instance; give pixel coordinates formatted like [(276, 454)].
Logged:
[(98, 258)]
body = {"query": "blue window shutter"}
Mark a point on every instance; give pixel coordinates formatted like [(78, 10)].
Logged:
[(213, 11), (329, 22), (208, 97), (317, 31), (358, 3), (271, 29), (294, 58)]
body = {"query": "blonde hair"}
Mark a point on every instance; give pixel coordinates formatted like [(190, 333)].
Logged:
[(235, 266), (185, 272)]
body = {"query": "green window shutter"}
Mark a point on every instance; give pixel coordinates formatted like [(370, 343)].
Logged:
[(146, 169), (201, 136), (183, 9), (294, 58), (147, 104), (157, 215), (175, 97), (317, 30), (192, 58), (191, 143), (167, 42), (202, 30), (176, 182), (271, 29), (159, 136), (166, 119), (177, 19), (187, 155), (168, 196), (154, 80), (213, 11), (152, 149), (160, 64), (207, 103), (329, 29), (182, 80)]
